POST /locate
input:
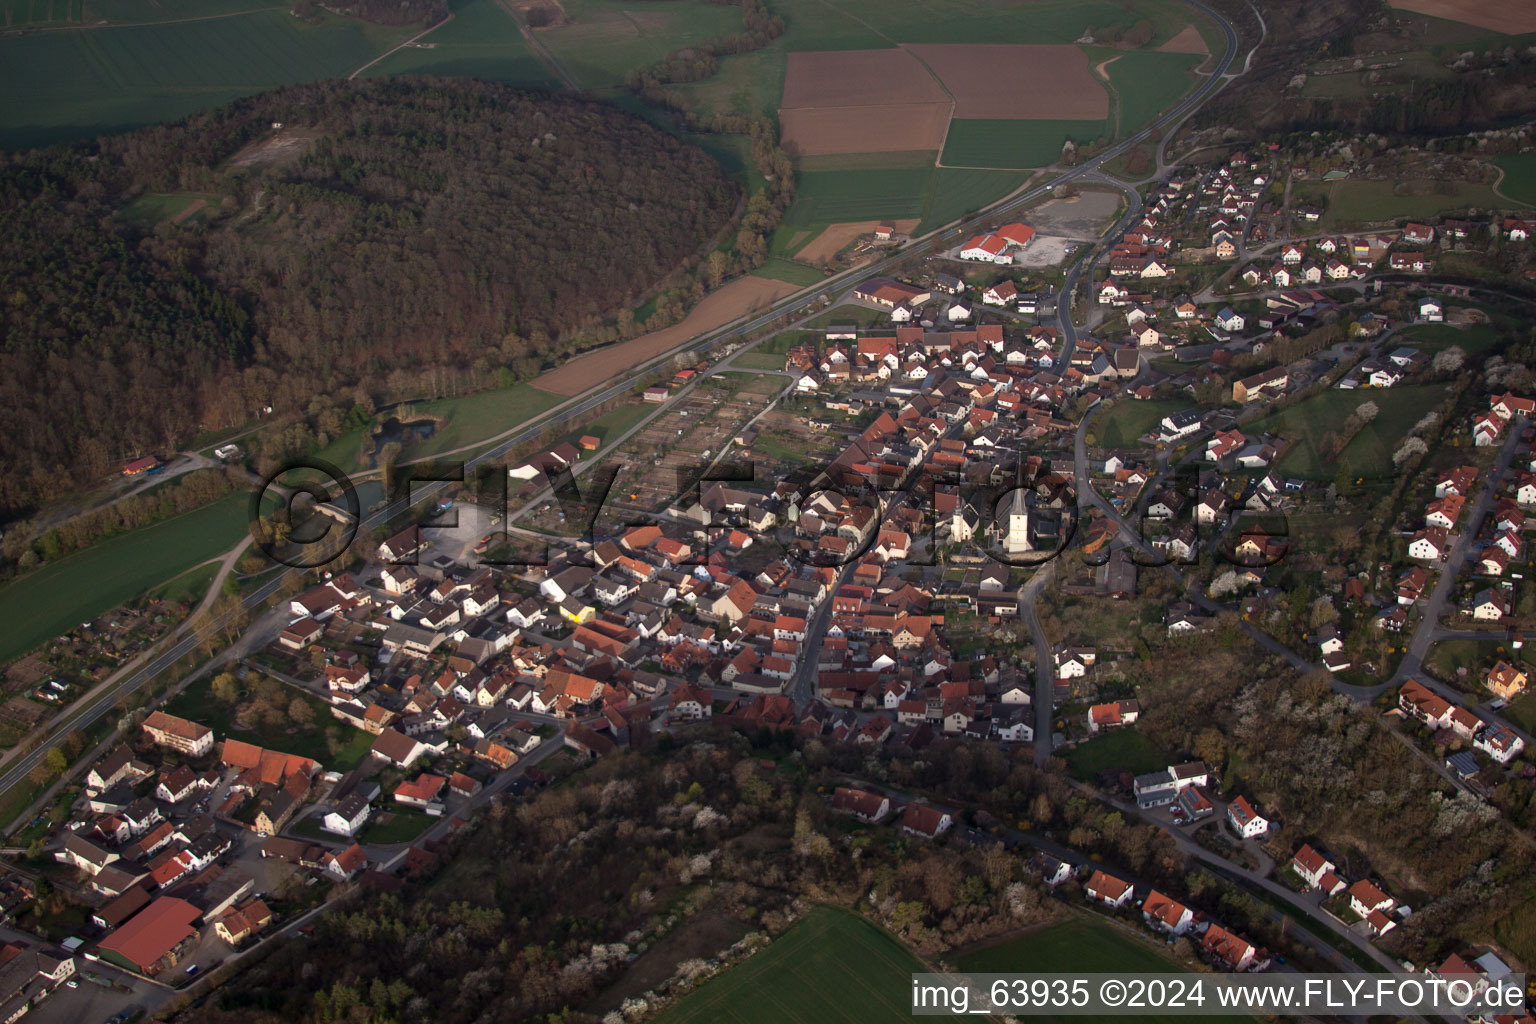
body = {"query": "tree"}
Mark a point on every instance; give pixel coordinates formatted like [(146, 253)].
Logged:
[(226, 687), (1448, 360), (1367, 411), (300, 711)]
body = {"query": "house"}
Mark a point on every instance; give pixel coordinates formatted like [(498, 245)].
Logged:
[(1192, 804), (1431, 310), (1113, 715), (1106, 888), (1489, 605), (1365, 899), (1156, 789), (1418, 701), (347, 817), (240, 923), (300, 634), (1228, 949), (179, 734), (1228, 320), (1505, 681), (1418, 234), (403, 546), (1245, 821), (1311, 866), (1251, 387), (344, 866), (398, 749), (420, 791), (1428, 545), (1166, 915), (1052, 872), (862, 804), (1499, 742), (921, 820)]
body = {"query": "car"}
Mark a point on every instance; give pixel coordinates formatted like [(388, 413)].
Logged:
[(72, 983), (192, 969)]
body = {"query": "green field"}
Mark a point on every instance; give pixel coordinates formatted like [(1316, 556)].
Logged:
[(825, 197), (611, 425), (832, 965), (974, 142), (787, 270), (68, 85), (82, 585), (1115, 748), (138, 12), (989, 21), (1147, 82), (746, 83), (1083, 944), (198, 704), (1370, 453), (606, 39), (1366, 202), (189, 586), (482, 41), (39, 13), (1125, 421), (405, 824), (1519, 181), (958, 191), (1431, 338)]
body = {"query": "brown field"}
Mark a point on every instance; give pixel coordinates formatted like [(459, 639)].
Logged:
[(1026, 82), (1187, 41), (743, 295), (816, 131), (1498, 15), (831, 241), (854, 78)]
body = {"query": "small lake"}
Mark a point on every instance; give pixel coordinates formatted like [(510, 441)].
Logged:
[(392, 431)]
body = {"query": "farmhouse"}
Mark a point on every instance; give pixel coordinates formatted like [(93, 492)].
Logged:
[(998, 246)]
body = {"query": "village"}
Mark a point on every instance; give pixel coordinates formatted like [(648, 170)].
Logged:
[(864, 545)]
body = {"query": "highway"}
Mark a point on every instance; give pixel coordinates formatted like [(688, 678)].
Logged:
[(802, 302)]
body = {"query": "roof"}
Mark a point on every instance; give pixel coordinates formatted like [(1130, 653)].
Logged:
[(1168, 911), (162, 722), (154, 931), (1108, 886)]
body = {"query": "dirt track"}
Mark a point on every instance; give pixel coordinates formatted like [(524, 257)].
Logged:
[(831, 241), (817, 131), (1026, 82), (1499, 15), (741, 296)]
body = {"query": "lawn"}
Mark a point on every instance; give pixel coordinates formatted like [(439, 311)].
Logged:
[(1473, 653), (819, 25), (69, 85), (80, 586), (39, 13), (831, 966), (1122, 748), (1368, 202), (463, 422), (148, 210), (606, 39), (189, 586), (611, 425), (757, 359), (198, 704), (482, 41), (788, 270), (1433, 338), (1522, 712), (746, 83), (1081, 944), (1370, 453), (1127, 420), (1147, 82), (958, 191), (403, 826), (825, 197), (1519, 181), (988, 21), (983, 142)]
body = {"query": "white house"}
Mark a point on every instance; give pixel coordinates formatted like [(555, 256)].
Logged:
[(1431, 310), (1116, 892), (1245, 821), (1228, 320), (1166, 915), (348, 817)]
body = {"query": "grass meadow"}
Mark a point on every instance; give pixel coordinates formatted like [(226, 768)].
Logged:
[(831, 966)]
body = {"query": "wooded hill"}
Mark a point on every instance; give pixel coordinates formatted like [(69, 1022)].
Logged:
[(387, 224)]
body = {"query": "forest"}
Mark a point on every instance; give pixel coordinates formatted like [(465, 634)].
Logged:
[(387, 225)]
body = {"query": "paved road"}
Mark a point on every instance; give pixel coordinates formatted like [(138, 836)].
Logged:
[(1045, 662)]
